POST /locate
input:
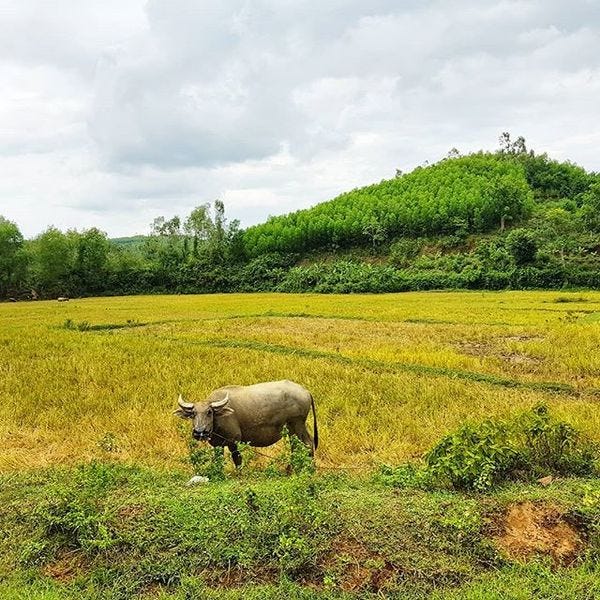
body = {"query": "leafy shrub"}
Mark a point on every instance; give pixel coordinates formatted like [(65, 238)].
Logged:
[(73, 514), (523, 246), (554, 446), (405, 250), (478, 456)]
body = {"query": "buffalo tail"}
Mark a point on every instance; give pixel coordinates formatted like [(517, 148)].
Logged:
[(315, 429)]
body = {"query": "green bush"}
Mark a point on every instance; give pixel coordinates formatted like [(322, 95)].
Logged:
[(551, 446), (73, 516), (404, 251), (523, 246), (478, 456)]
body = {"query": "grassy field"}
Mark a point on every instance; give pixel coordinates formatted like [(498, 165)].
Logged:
[(390, 373), (93, 501)]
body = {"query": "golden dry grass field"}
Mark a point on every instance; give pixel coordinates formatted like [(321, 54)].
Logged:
[(390, 373)]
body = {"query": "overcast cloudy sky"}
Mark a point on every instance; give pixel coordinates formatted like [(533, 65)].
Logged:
[(113, 112)]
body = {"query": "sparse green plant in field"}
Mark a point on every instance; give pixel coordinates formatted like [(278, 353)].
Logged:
[(249, 455), (82, 326), (409, 475), (552, 446), (296, 458), (207, 461), (567, 299), (109, 443)]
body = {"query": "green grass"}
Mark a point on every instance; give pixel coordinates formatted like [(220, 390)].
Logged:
[(112, 531)]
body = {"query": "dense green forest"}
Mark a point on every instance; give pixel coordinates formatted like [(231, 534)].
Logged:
[(507, 219)]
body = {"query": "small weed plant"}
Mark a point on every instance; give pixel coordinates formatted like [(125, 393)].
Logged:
[(295, 458), (207, 461)]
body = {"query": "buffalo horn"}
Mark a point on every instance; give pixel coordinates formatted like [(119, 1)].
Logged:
[(185, 405), (220, 403)]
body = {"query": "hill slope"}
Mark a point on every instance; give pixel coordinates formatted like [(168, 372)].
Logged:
[(472, 193)]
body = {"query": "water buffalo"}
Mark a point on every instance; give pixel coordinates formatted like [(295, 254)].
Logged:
[(254, 414)]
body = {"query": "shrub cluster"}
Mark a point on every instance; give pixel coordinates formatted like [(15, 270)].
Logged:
[(480, 456)]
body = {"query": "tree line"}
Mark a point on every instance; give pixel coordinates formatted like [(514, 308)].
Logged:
[(487, 220), (74, 263)]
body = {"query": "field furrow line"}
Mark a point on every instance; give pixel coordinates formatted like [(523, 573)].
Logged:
[(378, 365)]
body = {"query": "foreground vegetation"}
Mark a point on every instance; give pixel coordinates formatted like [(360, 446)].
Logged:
[(495, 390), (510, 219), (115, 532)]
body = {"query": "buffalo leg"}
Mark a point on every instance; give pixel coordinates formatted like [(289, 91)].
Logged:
[(236, 455)]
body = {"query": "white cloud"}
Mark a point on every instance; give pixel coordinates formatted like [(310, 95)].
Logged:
[(112, 113)]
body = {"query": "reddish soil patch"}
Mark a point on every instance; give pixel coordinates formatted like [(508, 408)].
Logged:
[(348, 563), (528, 529), (131, 511), (354, 567), (65, 567), (237, 577)]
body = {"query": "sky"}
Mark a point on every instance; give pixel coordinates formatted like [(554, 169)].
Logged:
[(114, 112)]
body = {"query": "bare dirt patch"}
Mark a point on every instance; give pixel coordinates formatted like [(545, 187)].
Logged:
[(352, 566), (529, 529), (475, 348), (523, 338), (520, 359), (355, 568), (237, 577), (66, 567)]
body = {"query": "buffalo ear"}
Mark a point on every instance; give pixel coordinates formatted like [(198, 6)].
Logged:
[(183, 414), (223, 410)]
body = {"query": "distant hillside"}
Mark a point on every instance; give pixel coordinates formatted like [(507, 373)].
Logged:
[(510, 219), (473, 193), (129, 242)]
